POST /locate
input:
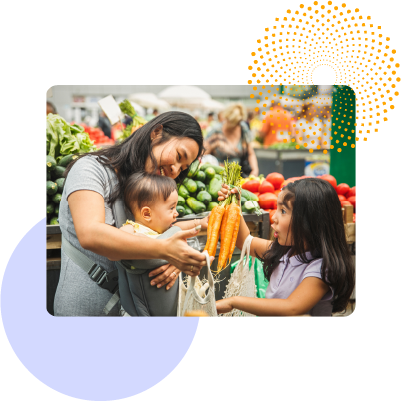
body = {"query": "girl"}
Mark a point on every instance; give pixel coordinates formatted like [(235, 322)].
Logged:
[(308, 265)]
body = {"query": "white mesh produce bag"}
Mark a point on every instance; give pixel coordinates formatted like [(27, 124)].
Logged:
[(242, 281), (193, 298)]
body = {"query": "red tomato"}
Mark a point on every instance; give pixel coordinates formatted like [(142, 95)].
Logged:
[(266, 186), (354, 217), (352, 200), (272, 215), (251, 185), (342, 189), (329, 178), (351, 192), (342, 198), (268, 201), (275, 179)]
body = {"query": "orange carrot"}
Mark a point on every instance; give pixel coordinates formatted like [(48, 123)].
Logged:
[(225, 244), (209, 228), (215, 229), (235, 235)]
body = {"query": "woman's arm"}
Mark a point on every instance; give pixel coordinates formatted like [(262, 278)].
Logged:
[(303, 299), (253, 161), (88, 214)]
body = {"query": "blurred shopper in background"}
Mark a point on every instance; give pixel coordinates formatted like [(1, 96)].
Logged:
[(278, 125), (50, 108), (104, 124), (231, 140)]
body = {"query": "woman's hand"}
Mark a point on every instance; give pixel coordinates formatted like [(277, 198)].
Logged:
[(225, 191), (164, 275), (178, 253), (224, 305)]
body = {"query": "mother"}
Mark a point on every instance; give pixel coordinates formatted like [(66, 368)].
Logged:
[(167, 145)]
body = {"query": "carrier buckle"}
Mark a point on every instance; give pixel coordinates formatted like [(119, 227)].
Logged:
[(107, 281)]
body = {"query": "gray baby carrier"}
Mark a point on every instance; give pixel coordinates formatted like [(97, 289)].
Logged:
[(130, 282)]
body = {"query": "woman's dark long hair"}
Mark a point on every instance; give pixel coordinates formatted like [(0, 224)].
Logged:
[(317, 226), (130, 156)]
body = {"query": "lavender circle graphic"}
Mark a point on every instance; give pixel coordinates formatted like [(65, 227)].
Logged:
[(88, 358)]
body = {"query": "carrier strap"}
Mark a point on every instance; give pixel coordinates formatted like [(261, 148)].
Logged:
[(105, 280)]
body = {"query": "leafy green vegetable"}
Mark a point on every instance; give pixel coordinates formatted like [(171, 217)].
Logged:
[(127, 108), (63, 139), (137, 121)]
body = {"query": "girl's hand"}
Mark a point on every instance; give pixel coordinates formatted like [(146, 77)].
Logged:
[(225, 191), (203, 222), (224, 305), (164, 275)]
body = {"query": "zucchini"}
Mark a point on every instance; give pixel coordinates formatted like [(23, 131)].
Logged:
[(57, 209), (56, 198), (190, 185), (50, 163), (200, 176), (60, 184), (66, 160), (58, 172), (204, 197), (243, 200), (181, 201), (249, 195), (250, 206), (210, 173), (51, 188), (211, 205), (217, 169), (48, 176), (54, 221), (183, 192), (214, 187), (193, 169), (50, 208), (200, 185), (180, 210), (188, 210), (195, 205)]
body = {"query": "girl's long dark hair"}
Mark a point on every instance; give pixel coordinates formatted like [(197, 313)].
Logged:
[(130, 156), (317, 226)]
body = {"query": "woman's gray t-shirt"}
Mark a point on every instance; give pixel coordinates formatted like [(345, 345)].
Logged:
[(77, 294)]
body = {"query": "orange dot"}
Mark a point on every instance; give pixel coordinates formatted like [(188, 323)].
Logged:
[(325, 151), (249, 82), (253, 53), (250, 67), (288, 11), (393, 51), (353, 146), (396, 93), (339, 150), (343, 5), (391, 107), (252, 96), (301, 6)]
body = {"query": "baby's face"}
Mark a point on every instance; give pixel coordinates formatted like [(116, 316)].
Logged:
[(163, 214)]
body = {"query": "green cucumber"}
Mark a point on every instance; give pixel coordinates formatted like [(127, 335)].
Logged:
[(60, 184), (188, 210), (48, 176), (54, 221), (57, 209), (217, 169), (249, 195), (51, 188), (193, 169), (58, 172), (210, 173), (180, 210), (183, 192), (204, 196), (50, 163), (50, 208), (190, 185), (200, 176), (56, 198), (181, 201), (201, 186), (243, 200), (211, 205), (250, 206), (66, 160), (196, 206), (214, 187)]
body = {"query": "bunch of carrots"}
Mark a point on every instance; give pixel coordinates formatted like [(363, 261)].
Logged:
[(224, 220)]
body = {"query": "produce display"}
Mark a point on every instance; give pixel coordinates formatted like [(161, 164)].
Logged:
[(224, 220), (63, 144), (97, 136), (198, 192), (137, 121)]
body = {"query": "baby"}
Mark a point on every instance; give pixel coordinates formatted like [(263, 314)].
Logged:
[(152, 200)]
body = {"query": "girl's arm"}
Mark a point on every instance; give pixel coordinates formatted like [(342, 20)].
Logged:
[(303, 299), (188, 225), (88, 214)]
